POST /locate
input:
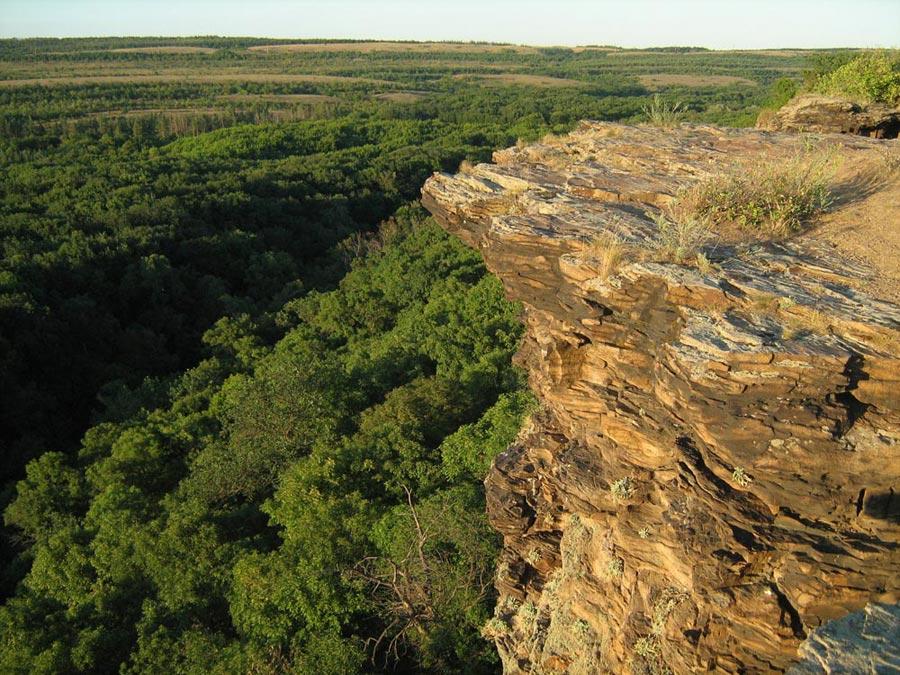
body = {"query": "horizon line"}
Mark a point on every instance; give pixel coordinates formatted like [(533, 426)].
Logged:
[(348, 40)]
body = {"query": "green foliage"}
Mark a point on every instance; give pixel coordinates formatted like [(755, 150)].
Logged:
[(444, 551), (781, 91), (821, 64), (48, 497), (471, 449), (870, 77), (227, 529)]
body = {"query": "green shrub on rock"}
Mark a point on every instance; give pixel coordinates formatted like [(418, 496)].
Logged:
[(870, 78)]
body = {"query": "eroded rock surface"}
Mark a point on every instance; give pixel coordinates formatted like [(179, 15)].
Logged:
[(825, 114), (867, 641), (713, 470)]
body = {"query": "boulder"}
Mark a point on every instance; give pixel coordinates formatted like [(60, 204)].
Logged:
[(826, 114)]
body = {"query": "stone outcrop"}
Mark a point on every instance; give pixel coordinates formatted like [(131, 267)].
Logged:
[(824, 114), (713, 469)]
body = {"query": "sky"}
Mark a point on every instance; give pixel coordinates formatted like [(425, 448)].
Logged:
[(717, 24)]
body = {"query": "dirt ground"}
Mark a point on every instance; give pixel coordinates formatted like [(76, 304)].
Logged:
[(864, 223)]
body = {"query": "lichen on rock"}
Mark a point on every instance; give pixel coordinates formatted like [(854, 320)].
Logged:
[(712, 472)]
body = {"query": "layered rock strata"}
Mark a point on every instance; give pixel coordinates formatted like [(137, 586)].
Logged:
[(826, 114), (713, 469)]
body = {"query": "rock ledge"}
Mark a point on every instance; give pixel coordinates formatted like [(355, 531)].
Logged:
[(713, 470), (825, 114)]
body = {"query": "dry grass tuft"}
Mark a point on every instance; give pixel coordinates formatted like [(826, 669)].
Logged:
[(703, 263), (663, 114), (773, 198), (681, 234), (609, 252), (809, 322)]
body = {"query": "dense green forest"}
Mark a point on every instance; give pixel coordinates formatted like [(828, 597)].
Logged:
[(249, 390)]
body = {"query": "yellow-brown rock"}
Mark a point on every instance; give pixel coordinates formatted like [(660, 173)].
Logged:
[(705, 483)]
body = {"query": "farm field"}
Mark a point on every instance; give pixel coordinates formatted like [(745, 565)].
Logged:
[(57, 84)]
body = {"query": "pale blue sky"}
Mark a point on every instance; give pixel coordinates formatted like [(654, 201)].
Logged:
[(631, 23)]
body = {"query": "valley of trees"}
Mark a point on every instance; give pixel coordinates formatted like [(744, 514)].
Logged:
[(250, 390)]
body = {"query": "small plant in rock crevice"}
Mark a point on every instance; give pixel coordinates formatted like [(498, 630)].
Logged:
[(646, 647), (890, 160), (703, 263), (582, 628), (740, 477), (665, 604), (622, 489), (615, 567), (649, 651), (810, 322), (494, 628)]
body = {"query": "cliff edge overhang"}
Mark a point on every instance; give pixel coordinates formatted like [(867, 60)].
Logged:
[(713, 469)]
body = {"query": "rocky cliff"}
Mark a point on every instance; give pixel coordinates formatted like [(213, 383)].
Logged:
[(712, 471)]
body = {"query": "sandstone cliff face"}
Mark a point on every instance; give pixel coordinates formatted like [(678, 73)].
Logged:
[(712, 472)]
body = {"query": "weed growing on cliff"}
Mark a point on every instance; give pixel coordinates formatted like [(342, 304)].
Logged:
[(661, 113), (575, 538), (615, 567), (510, 605), (810, 322), (649, 651), (553, 581), (646, 647), (772, 198), (528, 612), (644, 533), (740, 477), (609, 252), (582, 628), (494, 628), (680, 236), (765, 304), (665, 604), (622, 489), (703, 263)]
